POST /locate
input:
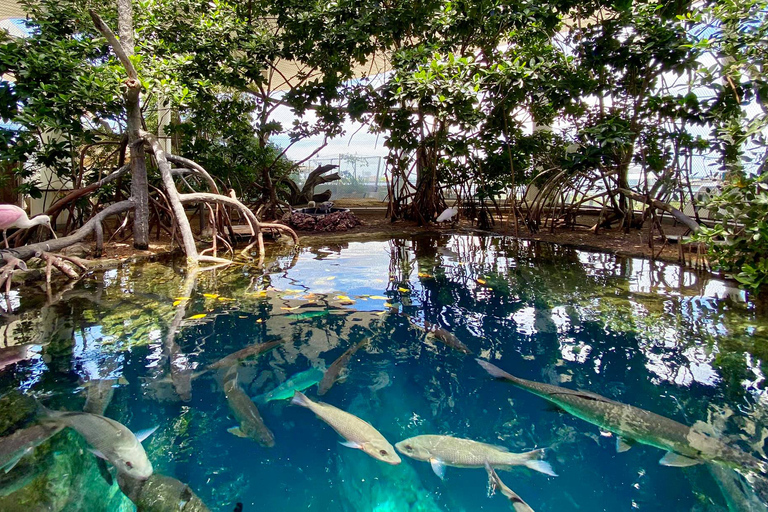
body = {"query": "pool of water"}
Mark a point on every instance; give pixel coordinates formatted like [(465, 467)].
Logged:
[(680, 344)]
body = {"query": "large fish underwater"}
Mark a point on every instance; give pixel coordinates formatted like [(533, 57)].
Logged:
[(685, 446), (296, 382)]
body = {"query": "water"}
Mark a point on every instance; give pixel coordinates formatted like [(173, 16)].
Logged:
[(668, 340)]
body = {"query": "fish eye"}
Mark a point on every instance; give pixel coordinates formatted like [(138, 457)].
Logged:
[(383, 452), (408, 447), (128, 463)]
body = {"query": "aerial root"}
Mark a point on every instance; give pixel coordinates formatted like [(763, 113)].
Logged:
[(6, 271), (63, 264)]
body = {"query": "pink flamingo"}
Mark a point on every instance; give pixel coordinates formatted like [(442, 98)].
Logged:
[(14, 217)]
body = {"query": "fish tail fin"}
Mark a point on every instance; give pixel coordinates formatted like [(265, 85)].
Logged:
[(533, 460), (300, 399), (494, 370)]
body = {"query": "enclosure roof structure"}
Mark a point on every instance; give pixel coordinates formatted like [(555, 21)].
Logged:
[(10, 9)]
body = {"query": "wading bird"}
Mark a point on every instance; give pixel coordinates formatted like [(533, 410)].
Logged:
[(447, 214), (14, 217)]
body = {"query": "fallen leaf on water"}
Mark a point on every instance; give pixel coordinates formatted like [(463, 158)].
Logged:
[(403, 290), (211, 295), (182, 298), (226, 299), (481, 281), (242, 316), (378, 297), (343, 297), (198, 317), (380, 312), (177, 302), (259, 320), (424, 274), (388, 305), (290, 309)]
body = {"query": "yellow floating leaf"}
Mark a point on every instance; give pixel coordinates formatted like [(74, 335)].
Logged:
[(481, 281), (343, 297), (403, 290), (211, 295), (259, 321), (182, 298), (290, 309), (378, 297), (242, 316), (380, 313), (177, 302), (198, 317), (226, 299), (424, 274), (387, 305)]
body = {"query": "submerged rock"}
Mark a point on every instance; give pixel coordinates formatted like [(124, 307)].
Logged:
[(161, 494)]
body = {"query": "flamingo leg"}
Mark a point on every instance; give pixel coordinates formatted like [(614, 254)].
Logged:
[(5, 237)]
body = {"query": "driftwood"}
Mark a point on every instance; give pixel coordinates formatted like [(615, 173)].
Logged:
[(307, 191)]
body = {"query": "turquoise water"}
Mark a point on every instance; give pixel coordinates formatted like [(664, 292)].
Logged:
[(680, 344)]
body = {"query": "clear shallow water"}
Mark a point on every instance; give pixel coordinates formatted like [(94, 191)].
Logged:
[(651, 335)]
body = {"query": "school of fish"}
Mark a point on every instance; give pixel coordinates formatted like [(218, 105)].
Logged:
[(113, 442)]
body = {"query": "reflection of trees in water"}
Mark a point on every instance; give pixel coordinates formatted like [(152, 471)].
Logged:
[(622, 320)]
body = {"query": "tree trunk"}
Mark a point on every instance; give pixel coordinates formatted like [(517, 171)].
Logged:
[(139, 181)]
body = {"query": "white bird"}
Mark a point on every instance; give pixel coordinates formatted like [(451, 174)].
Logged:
[(12, 216), (447, 214)]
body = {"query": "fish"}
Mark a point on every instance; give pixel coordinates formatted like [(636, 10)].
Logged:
[(357, 433), (246, 412), (110, 439), (243, 354), (518, 505), (685, 446), (307, 315), (15, 354), (284, 390), (160, 493), (332, 373), (19, 479), (22, 442), (447, 338), (98, 394), (442, 451)]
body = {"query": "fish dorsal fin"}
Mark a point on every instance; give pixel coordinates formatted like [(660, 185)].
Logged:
[(676, 460), (623, 444)]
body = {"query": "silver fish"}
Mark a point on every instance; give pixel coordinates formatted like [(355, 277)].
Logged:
[(98, 394), (110, 439), (331, 375), (249, 351), (442, 451), (15, 353), (518, 505), (22, 442), (447, 338), (160, 493), (246, 412), (685, 446), (358, 433)]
